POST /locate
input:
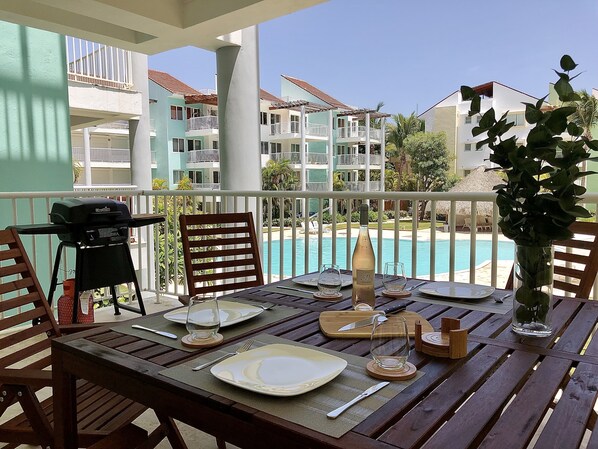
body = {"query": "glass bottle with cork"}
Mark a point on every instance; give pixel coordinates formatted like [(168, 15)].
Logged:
[(363, 264)]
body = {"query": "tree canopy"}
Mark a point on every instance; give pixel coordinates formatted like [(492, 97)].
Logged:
[(429, 160)]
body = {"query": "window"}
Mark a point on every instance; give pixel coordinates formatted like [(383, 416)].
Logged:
[(264, 148), (467, 119), (216, 177), (295, 128), (193, 112), (176, 112), (467, 147), (177, 175), (263, 118), (193, 145), (196, 177), (178, 145), (295, 148), (214, 144), (518, 119), (341, 149), (275, 148)]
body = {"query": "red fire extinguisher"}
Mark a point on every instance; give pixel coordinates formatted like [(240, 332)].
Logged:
[(65, 305)]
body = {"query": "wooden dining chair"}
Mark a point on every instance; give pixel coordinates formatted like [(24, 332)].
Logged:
[(221, 253), (26, 403), (576, 261)]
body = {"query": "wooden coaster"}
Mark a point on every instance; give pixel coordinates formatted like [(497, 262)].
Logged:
[(402, 294), (385, 374), (324, 297), (188, 341)]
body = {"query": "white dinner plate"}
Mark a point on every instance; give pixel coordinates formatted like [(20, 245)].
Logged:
[(230, 313), (279, 369), (311, 280), (457, 290)]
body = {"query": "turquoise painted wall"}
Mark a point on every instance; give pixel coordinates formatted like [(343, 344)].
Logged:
[(35, 141), (160, 113)]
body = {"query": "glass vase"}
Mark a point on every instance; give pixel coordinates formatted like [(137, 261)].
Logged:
[(532, 285)]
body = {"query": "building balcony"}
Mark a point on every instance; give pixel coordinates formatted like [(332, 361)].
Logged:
[(357, 161), (357, 134), (317, 186), (202, 126), (359, 186), (209, 157), (206, 186), (295, 158), (291, 131)]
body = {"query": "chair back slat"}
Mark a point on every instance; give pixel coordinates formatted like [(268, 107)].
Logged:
[(221, 252), (576, 261)]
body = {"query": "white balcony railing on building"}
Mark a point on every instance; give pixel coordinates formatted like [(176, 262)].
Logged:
[(124, 124), (198, 156), (350, 159), (90, 62), (206, 186), (317, 186), (311, 129), (358, 132), (359, 186), (113, 155), (317, 158), (284, 249), (294, 158), (200, 123)]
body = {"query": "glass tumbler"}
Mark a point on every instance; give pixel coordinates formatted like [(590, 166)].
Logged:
[(203, 318), (390, 343), (394, 278), (329, 280)]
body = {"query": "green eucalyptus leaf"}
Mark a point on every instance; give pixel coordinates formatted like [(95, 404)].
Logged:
[(488, 119), (476, 102), (532, 114), (574, 130), (567, 63), (563, 89), (467, 93)]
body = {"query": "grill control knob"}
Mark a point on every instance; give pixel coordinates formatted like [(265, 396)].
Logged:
[(92, 234)]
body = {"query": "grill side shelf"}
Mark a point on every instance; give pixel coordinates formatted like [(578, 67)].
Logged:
[(45, 229)]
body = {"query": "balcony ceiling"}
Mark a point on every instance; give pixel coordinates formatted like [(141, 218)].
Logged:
[(149, 26)]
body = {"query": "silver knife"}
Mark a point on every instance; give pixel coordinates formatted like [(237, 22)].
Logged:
[(370, 320), (334, 413), (164, 334), (419, 284), (284, 287)]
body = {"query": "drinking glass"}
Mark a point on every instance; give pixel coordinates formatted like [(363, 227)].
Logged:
[(390, 343), (394, 279), (329, 280), (203, 318)]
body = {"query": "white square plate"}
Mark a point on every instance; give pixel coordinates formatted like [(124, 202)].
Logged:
[(230, 313), (279, 369), (311, 280), (457, 290)]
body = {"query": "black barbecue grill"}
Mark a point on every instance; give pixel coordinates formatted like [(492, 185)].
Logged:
[(98, 229)]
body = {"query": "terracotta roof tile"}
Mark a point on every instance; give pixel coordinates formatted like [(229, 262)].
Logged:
[(317, 92), (170, 83), (265, 95)]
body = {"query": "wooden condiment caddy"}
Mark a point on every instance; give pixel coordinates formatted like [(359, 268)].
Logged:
[(450, 342)]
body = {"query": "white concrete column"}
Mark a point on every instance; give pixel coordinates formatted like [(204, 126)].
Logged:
[(238, 113), (303, 151), (87, 156), (139, 129), (367, 152), (383, 153), (330, 152)]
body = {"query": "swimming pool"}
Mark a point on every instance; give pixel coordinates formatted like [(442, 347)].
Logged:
[(483, 253)]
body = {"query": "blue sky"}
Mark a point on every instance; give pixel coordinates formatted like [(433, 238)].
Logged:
[(411, 54)]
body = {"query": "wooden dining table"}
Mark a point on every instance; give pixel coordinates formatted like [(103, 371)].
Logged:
[(508, 392)]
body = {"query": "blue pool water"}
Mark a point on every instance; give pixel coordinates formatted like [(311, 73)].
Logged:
[(483, 253)]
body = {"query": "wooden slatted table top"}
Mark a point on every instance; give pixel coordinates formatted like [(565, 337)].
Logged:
[(502, 395)]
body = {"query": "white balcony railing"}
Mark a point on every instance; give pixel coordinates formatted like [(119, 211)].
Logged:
[(90, 62), (435, 253), (198, 156), (317, 186), (112, 155), (359, 186), (124, 124), (358, 132), (206, 186), (311, 129), (294, 158), (200, 123), (350, 159), (317, 158)]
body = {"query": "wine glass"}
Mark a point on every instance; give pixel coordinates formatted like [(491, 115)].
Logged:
[(394, 278), (329, 280), (389, 344), (203, 318)]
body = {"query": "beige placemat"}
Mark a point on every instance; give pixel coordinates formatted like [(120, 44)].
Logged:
[(276, 288), (482, 305), (158, 322), (309, 409)]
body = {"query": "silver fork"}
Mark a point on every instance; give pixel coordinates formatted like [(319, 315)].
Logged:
[(501, 299), (242, 348)]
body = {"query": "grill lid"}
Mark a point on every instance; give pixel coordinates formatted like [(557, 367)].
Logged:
[(90, 211)]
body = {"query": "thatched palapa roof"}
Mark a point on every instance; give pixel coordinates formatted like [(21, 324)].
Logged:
[(479, 180)]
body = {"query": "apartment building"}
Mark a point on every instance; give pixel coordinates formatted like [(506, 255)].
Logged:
[(451, 116), (185, 137)]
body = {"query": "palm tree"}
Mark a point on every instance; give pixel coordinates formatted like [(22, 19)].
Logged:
[(586, 114), (396, 134)]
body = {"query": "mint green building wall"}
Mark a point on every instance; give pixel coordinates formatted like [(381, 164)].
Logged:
[(35, 140)]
